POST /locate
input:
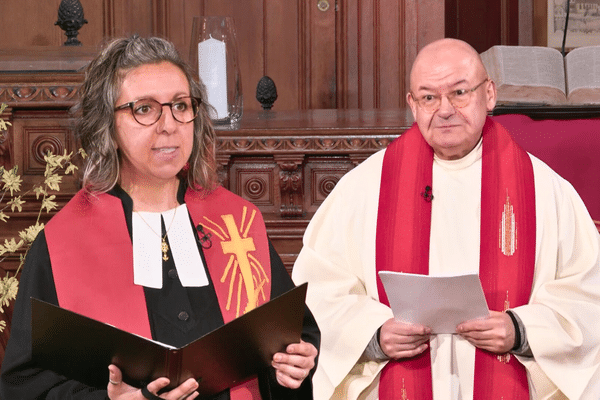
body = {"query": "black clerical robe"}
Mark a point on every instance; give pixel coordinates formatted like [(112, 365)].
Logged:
[(177, 316)]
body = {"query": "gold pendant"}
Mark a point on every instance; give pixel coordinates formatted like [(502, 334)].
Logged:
[(164, 247)]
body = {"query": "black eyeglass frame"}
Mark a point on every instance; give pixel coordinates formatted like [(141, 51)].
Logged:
[(130, 106)]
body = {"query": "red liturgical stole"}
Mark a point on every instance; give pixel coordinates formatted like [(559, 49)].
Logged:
[(507, 250), (92, 260)]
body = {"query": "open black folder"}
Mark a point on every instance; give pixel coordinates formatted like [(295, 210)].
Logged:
[(81, 348)]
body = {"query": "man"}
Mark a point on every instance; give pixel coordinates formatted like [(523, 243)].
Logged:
[(455, 195)]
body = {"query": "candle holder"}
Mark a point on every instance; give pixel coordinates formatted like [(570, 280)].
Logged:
[(214, 54)]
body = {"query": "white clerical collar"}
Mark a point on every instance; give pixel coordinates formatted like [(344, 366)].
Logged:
[(471, 158), (147, 254)]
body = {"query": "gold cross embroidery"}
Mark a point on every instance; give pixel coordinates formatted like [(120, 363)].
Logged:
[(242, 267), (240, 247)]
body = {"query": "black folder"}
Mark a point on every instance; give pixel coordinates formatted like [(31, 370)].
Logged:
[(81, 348)]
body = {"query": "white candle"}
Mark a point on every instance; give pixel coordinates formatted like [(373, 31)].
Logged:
[(212, 69)]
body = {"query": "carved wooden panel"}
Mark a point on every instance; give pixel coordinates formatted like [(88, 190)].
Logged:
[(35, 133), (322, 174), (376, 45), (351, 54), (483, 24), (254, 178)]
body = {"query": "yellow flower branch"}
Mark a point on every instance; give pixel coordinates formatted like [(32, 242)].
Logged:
[(11, 183)]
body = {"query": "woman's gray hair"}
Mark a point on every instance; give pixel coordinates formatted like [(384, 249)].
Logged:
[(96, 127)]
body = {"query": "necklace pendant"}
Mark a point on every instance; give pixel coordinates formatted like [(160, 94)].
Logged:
[(165, 248)]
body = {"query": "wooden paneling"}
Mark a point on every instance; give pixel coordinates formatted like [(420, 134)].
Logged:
[(377, 42), (483, 24), (285, 162), (351, 54), (318, 45), (540, 22)]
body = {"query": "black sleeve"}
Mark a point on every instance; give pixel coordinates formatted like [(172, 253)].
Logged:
[(19, 379), (269, 388)]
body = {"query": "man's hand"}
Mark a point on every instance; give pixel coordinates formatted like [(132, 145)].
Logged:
[(119, 390), (496, 333), (293, 366), (401, 340)]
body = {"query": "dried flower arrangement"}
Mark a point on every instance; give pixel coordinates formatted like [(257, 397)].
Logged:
[(56, 167)]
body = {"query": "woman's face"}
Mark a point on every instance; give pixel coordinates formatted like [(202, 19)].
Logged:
[(152, 155)]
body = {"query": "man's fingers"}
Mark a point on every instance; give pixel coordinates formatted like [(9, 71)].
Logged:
[(400, 353)]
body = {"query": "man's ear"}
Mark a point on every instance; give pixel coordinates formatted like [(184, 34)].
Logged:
[(412, 104), (491, 95)]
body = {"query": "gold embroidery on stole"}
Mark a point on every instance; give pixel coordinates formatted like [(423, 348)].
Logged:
[(508, 229), (403, 391), (242, 266)]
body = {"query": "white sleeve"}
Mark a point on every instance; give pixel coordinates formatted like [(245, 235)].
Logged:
[(561, 319), (338, 262)]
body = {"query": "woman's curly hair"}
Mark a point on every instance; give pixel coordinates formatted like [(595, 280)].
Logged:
[(96, 126)]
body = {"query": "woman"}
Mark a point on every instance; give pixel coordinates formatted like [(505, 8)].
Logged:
[(126, 249)]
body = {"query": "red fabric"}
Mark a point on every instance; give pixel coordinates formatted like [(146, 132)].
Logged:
[(569, 147), (217, 216), (92, 258), (214, 213), (92, 263), (507, 179), (402, 244)]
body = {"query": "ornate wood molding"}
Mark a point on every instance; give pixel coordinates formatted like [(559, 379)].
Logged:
[(316, 144), (288, 162), (291, 181)]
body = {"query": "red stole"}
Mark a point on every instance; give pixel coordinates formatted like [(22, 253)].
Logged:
[(92, 260), (507, 250)]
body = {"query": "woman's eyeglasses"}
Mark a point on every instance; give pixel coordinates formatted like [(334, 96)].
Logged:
[(148, 111)]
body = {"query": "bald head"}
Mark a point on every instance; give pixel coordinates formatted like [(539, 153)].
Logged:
[(435, 58), (450, 95)]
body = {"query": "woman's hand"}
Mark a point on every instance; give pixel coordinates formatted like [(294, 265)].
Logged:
[(293, 366), (119, 390)]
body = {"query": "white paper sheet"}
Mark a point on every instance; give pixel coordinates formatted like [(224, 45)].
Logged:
[(439, 302)]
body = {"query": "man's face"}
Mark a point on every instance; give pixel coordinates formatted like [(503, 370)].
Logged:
[(451, 74)]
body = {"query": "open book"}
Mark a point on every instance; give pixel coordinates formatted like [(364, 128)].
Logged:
[(530, 74), (81, 348)]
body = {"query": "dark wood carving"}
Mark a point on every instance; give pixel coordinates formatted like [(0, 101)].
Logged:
[(290, 184), (70, 20), (6, 146)]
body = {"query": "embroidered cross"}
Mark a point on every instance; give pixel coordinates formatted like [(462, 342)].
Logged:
[(240, 247), (243, 267)]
